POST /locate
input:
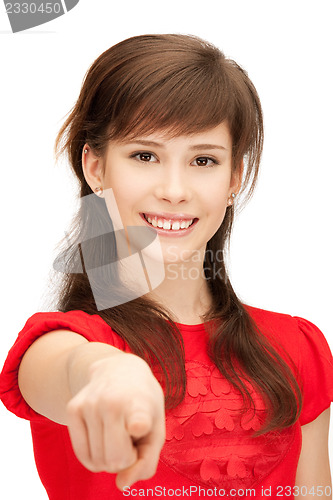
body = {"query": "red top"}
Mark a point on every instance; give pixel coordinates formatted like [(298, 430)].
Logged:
[(208, 445)]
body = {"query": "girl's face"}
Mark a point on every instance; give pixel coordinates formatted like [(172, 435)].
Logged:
[(172, 182)]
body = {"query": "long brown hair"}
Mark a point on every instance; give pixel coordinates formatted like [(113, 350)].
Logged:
[(182, 84)]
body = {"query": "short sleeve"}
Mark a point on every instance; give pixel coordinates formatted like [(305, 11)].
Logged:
[(316, 371), (92, 327)]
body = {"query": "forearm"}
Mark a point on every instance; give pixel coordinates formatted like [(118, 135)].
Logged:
[(313, 477), (110, 401), (55, 368)]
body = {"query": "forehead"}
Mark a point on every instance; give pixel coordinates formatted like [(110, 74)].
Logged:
[(217, 136)]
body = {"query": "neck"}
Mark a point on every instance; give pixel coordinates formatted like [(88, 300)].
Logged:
[(184, 292)]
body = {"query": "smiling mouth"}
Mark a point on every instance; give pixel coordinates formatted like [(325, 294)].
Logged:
[(168, 224)]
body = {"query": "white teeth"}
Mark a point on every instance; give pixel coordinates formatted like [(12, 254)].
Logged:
[(169, 225)]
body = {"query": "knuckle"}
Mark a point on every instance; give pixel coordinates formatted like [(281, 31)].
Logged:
[(73, 408), (99, 466), (91, 466), (119, 461), (90, 405), (114, 466), (110, 402), (81, 405)]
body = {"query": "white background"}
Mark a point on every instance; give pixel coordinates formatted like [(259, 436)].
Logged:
[(281, 255)]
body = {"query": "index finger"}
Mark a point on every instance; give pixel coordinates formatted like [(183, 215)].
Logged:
[(148, 451)]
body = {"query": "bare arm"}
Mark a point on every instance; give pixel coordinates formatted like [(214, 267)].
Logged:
[(110, 401), (313, 471)]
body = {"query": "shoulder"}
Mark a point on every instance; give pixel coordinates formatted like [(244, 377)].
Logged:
[(282, 325), (277, 326), (90, 326), (298, 336), (306, 345), (270, 319)]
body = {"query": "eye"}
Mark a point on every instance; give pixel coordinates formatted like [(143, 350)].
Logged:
[(143, 156), (205, 161)]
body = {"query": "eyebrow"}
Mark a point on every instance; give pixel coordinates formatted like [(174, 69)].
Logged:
[(194, 147)]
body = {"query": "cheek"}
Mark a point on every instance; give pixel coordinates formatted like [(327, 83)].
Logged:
[(216, 204), (126, 182), (217, 196), (123, 187)]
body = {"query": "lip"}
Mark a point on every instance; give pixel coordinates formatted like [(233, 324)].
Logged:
[(171, 233), (170, 216)]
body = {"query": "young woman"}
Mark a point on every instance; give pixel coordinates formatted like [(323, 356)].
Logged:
[(150, 377)]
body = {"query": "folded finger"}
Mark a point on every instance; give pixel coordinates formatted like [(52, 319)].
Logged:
[(78, 433), (119, 450)]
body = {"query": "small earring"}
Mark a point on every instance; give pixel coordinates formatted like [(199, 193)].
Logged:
[(99, 191), (230, 201), (85, 151)]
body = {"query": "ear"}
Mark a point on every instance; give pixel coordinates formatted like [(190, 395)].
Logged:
[(236, 179), (92, 167)]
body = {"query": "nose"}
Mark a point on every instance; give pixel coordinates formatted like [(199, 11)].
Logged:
[(174, 185)]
